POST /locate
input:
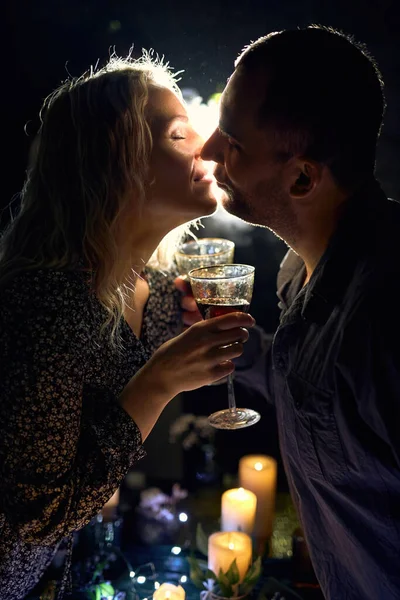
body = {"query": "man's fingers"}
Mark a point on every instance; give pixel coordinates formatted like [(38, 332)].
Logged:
[(183, 285), (189, 303)]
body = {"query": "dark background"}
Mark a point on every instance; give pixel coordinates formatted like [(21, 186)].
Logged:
[(45, 40)]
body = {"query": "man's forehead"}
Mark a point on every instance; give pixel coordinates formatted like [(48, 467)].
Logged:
[(242, 98)]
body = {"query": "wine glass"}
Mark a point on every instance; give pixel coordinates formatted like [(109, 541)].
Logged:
[(219, 290), (203, 253)]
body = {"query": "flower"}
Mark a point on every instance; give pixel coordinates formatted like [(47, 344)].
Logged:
[(191, 430), (160, 506), (153, 499)]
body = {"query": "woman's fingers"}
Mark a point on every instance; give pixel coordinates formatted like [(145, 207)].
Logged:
[(230, 321), (207, 333), (222, 370), (240, 334), (226, 352)]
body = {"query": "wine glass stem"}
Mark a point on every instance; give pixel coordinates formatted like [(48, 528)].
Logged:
[(231, 393)]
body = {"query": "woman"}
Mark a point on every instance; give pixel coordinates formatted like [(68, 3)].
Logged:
[(118, 166)]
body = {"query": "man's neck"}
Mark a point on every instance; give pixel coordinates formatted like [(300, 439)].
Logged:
[(316, 225)]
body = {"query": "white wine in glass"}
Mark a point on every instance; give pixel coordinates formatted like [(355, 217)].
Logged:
[(219, 290)]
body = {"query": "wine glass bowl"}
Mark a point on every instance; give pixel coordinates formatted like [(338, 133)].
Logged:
[(204, 252), (218, 290), (221, 289)]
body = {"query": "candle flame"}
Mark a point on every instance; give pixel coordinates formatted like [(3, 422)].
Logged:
[(231, 546), (258, 466), (168, 594)]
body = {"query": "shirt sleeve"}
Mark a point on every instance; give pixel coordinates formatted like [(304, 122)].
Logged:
[(64, 449)]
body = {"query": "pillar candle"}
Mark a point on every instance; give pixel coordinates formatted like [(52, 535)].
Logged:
[(258, 474), (224, 547), (168, 591), (238, 510)]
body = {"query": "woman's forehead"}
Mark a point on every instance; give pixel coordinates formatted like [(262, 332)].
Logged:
[(164, 106)]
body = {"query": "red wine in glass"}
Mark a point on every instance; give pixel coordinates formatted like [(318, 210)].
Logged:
[(215, 307)]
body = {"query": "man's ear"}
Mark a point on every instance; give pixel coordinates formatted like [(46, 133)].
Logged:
[(304, 176)]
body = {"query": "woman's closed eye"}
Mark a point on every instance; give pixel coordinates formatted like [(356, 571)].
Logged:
[(178, 134)]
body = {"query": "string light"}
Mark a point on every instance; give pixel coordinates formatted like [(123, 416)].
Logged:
[(176, 550)]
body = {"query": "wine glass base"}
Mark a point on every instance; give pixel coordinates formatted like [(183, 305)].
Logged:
[(234, 418)]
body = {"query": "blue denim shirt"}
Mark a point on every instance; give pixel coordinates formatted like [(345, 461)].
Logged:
[(333, 373)]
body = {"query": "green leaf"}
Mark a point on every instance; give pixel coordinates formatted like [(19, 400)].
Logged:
[(98, 593), (106, 589), (224, 585), (210, 575), (253, 573), (199, 583), (232, 573), (196, 574), (201, 540)]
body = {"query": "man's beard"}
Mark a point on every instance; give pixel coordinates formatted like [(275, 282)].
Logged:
[(264, 206), (235, 204)]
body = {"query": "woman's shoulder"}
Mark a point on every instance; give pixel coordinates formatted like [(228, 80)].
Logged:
[(45, 291)]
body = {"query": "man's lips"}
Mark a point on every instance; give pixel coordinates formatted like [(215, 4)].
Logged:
[(221, 179), (223, 185)]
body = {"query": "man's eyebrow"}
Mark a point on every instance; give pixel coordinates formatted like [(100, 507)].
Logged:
[(227, 131), (225, 121)]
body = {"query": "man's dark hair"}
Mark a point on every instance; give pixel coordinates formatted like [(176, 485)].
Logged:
[(324, 98)]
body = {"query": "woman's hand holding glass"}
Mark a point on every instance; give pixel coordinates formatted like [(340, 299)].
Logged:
[(200, 355)]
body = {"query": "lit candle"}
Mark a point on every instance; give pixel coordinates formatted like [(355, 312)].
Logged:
[(168, 591), (110, 508), (258, 474), (224, 547), (238, 510)]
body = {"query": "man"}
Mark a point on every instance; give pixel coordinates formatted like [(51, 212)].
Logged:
[(295, 152)]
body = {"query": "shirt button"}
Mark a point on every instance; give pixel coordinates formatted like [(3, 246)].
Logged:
[(297, 403)]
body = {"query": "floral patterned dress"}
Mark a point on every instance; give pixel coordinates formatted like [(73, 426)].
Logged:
[(65, 443)]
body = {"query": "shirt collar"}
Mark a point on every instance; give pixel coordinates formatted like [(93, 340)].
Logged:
[(333, 273)]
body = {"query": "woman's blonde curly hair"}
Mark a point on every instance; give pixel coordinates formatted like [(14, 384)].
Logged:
[(92, 157)]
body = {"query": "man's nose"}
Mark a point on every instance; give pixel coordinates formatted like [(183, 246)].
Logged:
[(212, 149)]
